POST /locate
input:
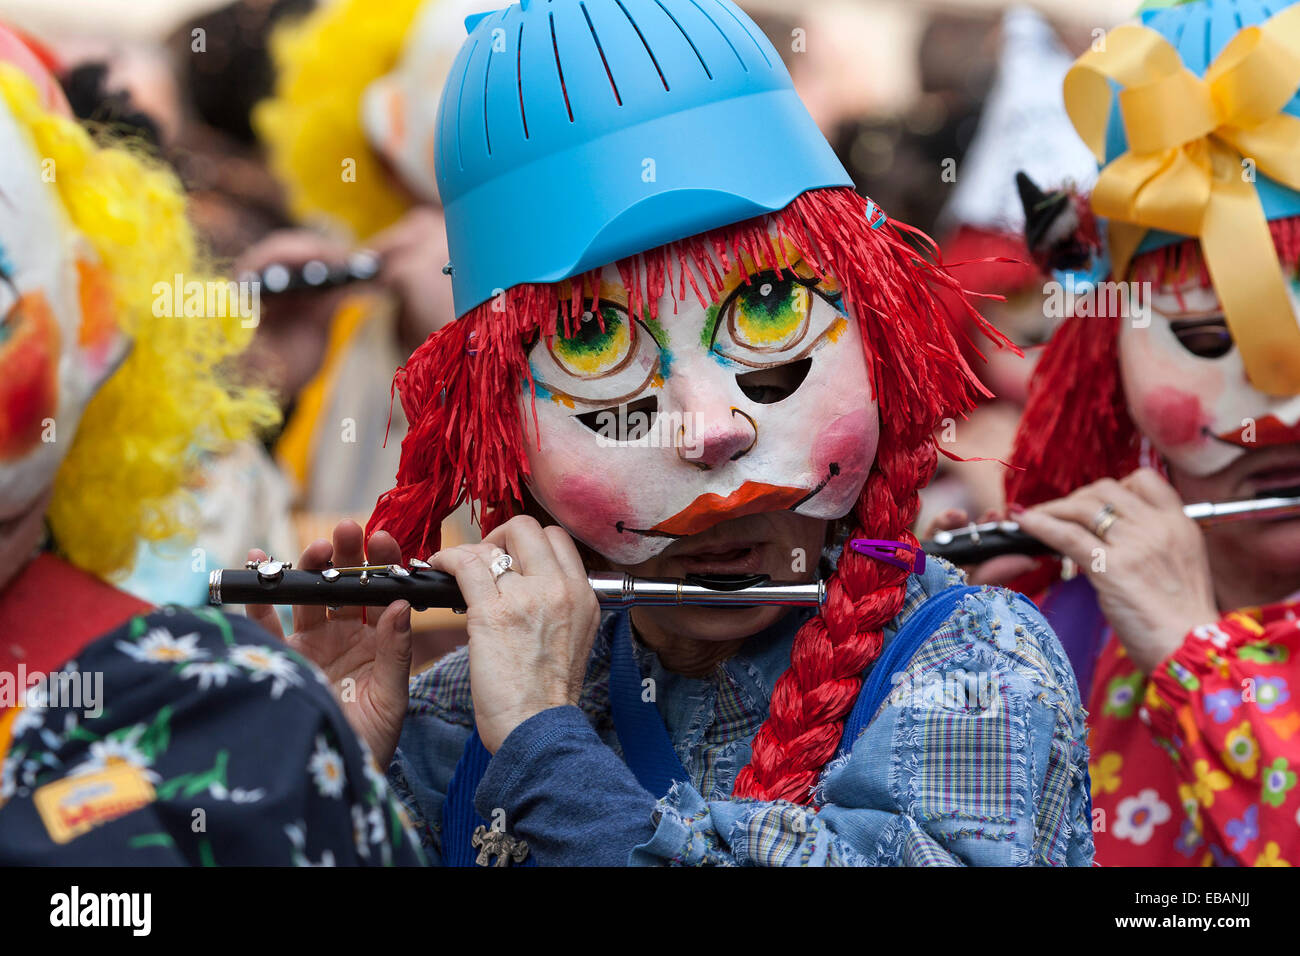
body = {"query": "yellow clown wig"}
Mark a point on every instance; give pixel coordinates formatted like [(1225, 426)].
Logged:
[(312, 126), (172, 401)]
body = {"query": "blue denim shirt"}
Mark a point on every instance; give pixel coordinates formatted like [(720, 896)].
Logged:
[(977, 757)]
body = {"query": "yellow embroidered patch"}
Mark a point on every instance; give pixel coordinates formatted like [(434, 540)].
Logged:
[(75, 805)]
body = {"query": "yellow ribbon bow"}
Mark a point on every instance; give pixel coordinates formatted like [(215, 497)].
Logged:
[(1184, 171)]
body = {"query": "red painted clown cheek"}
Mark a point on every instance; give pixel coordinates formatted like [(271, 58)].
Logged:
[(1172, 417), (847, 444), (590, 509)]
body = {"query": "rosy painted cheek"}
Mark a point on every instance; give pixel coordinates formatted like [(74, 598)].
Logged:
[(590, 509), (1173, 417), (847, 447)]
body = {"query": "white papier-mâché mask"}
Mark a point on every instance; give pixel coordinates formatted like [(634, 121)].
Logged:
[(653, 430), (1187, 388)]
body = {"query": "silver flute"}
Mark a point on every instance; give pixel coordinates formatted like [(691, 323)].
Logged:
[(980, 542), (377, 585)]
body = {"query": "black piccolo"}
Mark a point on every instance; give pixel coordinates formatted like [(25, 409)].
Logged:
[(277, 582), (315, 274), (980, 542)]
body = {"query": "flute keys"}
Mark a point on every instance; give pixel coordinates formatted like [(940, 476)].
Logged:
[(331, 574), (271, 570)]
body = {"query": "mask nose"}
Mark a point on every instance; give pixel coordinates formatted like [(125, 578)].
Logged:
[(711, 431)]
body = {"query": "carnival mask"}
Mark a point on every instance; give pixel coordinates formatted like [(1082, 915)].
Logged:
[(1187, 387), (58, 341), (653, 430), (399, 111)]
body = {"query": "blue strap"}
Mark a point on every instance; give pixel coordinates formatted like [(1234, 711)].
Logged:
[(459, 818), (918, 627), (647, 748)]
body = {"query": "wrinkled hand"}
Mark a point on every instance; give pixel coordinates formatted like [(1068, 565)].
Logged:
[(367, 662), (530, 631), (1151, 573)]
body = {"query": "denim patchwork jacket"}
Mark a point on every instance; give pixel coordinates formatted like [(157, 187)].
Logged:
[(978, 757)]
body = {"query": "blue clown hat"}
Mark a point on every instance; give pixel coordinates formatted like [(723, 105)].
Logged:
[(573, 133), (1199, 30)]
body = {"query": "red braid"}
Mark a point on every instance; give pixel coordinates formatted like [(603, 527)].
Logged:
[(461, 390), (813, 698)]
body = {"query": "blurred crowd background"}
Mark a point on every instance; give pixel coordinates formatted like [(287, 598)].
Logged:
[(905, 90)]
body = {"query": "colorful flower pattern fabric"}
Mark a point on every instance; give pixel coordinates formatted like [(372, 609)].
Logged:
[(1196, 766), (215, 745)]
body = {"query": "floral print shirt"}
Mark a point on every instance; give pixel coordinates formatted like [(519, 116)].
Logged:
[(1196, 766), (209, 743)]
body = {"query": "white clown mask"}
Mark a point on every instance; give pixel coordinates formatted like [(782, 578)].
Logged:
[(58, 341), (1187, 387), (399, 111), (652, 431)]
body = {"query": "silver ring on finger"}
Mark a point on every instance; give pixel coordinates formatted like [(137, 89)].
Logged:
[(1105, 518), (500, 564)]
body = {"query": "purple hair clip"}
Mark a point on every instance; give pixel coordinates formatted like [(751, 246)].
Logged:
[(887, 551)]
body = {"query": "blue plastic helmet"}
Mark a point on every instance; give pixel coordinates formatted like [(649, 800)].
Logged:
[(1199, 30), (573, 133)]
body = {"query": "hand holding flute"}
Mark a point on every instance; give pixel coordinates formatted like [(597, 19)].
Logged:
[(1145, 557), (530, 627), (365, 657)]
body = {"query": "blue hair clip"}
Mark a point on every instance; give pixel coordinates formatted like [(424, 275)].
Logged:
[(876, 217), (887, 551)]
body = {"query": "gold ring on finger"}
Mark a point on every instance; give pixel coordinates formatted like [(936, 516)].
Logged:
[(1106, 517)]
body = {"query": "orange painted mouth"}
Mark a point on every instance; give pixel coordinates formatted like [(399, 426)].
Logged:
[(1269, 430), (750, 498)]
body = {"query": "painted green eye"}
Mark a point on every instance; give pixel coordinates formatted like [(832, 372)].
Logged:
[(770, 314), (592, 351)]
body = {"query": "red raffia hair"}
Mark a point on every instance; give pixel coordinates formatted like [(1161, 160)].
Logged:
[(1076, 427), (989, 261), (461, 393)]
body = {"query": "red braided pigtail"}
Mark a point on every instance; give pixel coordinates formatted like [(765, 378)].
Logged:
[(813, 698), (1075, 428), (919, 377)]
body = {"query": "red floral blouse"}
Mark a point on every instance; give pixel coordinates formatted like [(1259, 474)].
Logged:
[(1196, 766)]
